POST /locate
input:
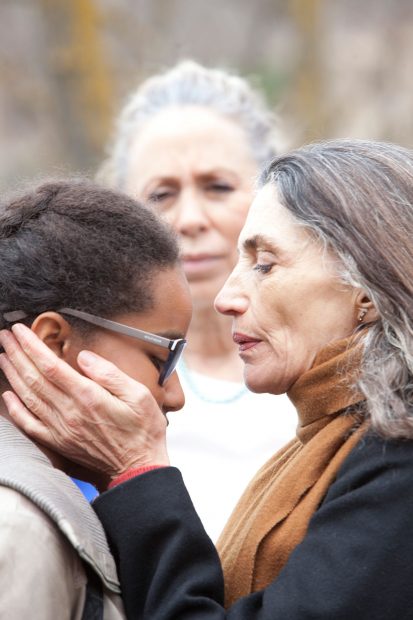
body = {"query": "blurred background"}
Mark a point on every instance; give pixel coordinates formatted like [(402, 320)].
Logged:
[(332, 68)]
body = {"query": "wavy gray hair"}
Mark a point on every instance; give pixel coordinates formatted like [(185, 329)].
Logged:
[(189, 83), (357, 197)]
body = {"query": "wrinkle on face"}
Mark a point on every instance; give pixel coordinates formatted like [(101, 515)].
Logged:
[(296, 308)]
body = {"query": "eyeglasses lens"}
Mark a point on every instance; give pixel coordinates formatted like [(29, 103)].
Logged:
[(172, 362)]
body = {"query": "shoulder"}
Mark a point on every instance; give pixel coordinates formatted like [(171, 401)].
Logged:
[(377, 465), (32, 547), (373, 451), (17, 512), (27, 529)]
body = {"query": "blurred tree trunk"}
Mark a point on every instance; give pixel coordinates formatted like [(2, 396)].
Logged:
[(80, 79), (307, 83)]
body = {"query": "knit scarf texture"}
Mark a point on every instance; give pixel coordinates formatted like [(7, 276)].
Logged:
[(272, 516)]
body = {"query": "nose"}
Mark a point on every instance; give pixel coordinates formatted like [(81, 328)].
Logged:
[(232, 299), (190, 216), (174, 394)]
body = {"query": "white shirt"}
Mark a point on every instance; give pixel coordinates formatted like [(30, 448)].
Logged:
[(219, 446)]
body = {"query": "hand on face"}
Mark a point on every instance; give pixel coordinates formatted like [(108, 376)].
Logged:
[(105, 420)]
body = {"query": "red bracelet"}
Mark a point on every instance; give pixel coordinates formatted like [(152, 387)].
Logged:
[(131, 473)]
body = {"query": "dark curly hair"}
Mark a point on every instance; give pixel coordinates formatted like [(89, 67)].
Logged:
[(75, 244)]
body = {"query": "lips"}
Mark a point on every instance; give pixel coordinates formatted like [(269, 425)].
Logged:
[(199, 263), (244, 342)]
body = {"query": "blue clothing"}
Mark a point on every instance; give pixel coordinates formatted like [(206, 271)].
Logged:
[(87, 489)]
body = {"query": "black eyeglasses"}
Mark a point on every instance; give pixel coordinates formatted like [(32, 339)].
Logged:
[(175, 347)]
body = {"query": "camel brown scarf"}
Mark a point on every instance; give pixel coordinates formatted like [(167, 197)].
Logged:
[(272, 516)]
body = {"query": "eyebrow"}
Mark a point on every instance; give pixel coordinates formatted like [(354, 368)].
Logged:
[(214, 172), (208, 173), (257, 241), (166, 179)]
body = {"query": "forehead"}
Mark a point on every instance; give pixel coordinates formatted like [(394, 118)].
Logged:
[(167, 140), (172, 298), (268, 220)]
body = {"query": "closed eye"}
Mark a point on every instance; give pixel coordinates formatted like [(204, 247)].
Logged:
[(160, 195), (263, 268), (220, 187), (157, 362), (263, 261)]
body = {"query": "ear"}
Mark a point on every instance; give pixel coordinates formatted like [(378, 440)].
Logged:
[(55, 332), (365, 309)]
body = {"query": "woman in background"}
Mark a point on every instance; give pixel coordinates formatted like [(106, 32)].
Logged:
[(190, 143)]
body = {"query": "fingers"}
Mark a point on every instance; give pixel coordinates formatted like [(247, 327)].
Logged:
[(24, 419), (102, 419), (27, 346), (34, 390), (29, 397), (110, 377), (39, 377), (44, 382), (38, 396)]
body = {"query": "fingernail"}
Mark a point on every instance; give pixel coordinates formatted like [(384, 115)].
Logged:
[(87, 358), (19, 329)]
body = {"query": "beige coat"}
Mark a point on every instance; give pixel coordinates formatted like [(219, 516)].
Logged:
[(48, 531)]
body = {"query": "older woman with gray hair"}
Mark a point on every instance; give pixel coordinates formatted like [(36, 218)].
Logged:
[(189, 143), (321, 304)]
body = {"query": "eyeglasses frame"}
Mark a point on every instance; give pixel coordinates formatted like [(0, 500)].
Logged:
[(175, 346)]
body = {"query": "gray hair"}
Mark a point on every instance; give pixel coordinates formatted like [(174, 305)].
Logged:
[(357, 197), (188, 84)]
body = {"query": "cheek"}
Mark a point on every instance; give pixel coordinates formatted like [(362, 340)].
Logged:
[(330, 307), (130, 360), (139, 367), (70, 357), (270, 304), (168, 215), (229, 227), (284, 320), (229, 218)]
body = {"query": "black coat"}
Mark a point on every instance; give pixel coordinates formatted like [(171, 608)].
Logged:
[(355, 563)]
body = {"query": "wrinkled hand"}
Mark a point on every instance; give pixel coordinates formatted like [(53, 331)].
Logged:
[(105, 420)]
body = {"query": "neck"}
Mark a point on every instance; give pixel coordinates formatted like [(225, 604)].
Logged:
[(211, 350), (329, 388)]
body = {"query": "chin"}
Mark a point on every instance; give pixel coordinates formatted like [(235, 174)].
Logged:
[(261, 383)]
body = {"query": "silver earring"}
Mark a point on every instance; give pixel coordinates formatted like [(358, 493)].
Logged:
[(362, 315)]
